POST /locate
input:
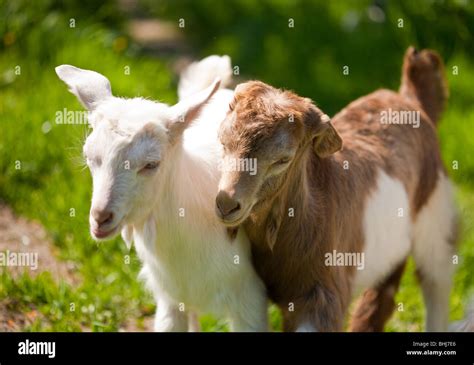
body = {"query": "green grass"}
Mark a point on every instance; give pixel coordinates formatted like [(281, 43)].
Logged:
[(51, 182)]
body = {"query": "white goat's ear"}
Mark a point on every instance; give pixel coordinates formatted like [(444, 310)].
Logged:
[(187, 110), (90, 87)]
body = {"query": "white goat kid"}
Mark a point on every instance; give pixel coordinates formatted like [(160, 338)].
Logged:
[(155, 175)]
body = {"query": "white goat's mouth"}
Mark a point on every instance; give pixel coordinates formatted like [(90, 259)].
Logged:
[(99, 234)]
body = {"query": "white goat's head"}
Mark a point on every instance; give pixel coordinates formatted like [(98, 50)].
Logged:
[(129, 145)]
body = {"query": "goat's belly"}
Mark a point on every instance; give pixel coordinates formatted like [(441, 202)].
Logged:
[(387, 229)]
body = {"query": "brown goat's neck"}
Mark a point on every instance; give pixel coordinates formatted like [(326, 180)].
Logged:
[(298, 200), (291, 234)]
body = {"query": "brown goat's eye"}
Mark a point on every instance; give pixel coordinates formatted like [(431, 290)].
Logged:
[(283, 161)]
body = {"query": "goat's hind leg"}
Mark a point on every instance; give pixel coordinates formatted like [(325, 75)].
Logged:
[(433, 250), (376, 305)]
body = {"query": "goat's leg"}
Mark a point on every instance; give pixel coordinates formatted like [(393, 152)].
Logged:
[(376, 305), (435, 270), (436, 290), (321, 310), (169, 317), (245, 321), (193, 322), (249, 308), (435, 234)]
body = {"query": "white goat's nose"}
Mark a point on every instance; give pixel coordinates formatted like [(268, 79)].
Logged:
[(102, 217)]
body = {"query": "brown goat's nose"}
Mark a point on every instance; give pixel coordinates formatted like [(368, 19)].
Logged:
[(102, 216), (226, 204)]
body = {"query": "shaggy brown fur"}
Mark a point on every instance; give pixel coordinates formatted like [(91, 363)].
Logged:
[(424, 82), (277, 126)]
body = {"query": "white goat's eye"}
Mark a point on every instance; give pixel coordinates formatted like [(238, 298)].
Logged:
[(150, 166)]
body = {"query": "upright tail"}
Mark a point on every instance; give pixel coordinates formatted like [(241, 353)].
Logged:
[(199, 75), (423, 81)]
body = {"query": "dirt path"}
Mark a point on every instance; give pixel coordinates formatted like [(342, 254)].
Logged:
[(26, 242), (19, 235)]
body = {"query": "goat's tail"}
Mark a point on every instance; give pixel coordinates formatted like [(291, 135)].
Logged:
[(201, 74), (467, 323), (423, 80)]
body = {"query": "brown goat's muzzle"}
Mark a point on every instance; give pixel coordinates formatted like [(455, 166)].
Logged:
[(230, 210)]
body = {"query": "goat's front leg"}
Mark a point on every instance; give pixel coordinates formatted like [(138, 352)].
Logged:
[(169, 317), (193, 322), (249, 308), (321, 310)]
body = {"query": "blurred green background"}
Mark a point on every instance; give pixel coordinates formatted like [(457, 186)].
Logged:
[(301, 45)]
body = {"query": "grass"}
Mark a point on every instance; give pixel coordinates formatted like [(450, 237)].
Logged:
[(51, 182)]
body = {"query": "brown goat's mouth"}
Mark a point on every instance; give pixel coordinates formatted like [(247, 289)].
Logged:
[(235, 219)]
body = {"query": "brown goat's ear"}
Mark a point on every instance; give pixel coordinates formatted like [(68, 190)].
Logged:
[(326, 140), (273, 224)]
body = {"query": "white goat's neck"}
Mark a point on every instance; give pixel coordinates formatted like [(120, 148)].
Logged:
[(183, 194)]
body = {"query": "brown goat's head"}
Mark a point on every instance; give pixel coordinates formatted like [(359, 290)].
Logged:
[(269, 129)]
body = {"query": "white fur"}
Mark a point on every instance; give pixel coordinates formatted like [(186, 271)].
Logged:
[(433, 252), (389, 239), (90, 87), (189, 262), (199, 75), (306, 327), (387, 235)]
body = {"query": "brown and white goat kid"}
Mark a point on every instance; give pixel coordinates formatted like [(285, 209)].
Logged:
[(155, 176), (313, 210)]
